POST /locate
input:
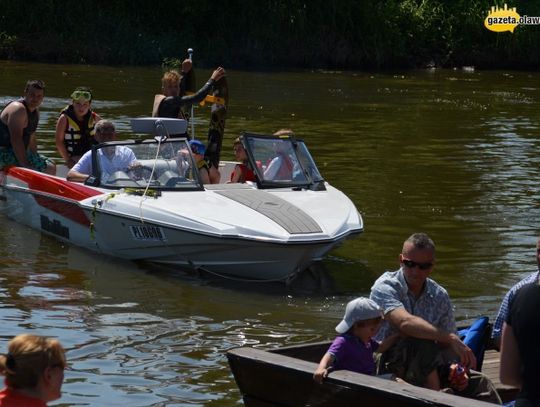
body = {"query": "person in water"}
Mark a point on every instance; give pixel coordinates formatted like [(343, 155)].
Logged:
[(18, 124), (75, 127), (242, 172), (34, 371)]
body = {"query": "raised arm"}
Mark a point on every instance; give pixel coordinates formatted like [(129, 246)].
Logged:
[(201, 93)]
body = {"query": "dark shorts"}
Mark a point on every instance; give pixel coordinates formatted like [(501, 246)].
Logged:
[(412, 360), (7, 158)]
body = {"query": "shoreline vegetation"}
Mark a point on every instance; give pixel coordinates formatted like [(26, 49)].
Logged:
[(270, 34)]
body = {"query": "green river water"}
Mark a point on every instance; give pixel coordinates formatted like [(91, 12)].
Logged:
[(449, 152)]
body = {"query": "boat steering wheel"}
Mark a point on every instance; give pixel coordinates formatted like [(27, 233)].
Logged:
[(140, 172)]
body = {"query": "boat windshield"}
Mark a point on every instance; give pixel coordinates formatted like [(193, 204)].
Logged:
[(281, 161), (165, 165)]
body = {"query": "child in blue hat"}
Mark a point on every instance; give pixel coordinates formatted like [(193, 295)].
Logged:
[(198, 149)]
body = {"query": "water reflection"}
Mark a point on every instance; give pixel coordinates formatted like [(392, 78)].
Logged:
[(451, 153)]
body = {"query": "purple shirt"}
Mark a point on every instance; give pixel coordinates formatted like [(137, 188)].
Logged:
[(352, 354)]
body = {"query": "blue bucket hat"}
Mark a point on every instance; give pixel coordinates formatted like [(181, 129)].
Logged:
[(197, 147)]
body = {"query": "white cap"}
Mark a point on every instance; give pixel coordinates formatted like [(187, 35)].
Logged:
[(358, 310)]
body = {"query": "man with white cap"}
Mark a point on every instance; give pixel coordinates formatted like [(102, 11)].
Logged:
[(353, 348)]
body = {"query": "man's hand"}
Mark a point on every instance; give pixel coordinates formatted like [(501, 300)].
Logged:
[(458, 377), (466, 355), (218, 74), (186, 66)]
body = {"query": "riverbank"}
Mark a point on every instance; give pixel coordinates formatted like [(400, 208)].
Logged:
[(270, 35)]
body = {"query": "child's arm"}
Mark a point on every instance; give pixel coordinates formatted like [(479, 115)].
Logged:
[(388, 342), (322, 370)]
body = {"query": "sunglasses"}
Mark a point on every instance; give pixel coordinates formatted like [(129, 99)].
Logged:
[(412, 264), (81, 94)]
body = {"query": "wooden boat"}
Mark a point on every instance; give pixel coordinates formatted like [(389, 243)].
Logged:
[(284, 377)]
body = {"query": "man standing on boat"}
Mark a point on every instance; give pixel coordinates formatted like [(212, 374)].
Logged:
[(18, 124), (508, 298), (421, 311), (171, 102)]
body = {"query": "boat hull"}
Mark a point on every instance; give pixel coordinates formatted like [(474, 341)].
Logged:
[(86, 217), (244, 258)]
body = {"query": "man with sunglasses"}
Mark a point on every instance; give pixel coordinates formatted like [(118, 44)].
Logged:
[(508, 298), (421, 311)]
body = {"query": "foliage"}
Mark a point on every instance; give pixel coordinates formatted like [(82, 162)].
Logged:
[(7, 45), (268, 34)]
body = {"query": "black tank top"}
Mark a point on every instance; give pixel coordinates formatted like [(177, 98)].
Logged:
[(33, 120)]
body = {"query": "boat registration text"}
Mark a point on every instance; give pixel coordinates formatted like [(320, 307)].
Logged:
[(147, 232)]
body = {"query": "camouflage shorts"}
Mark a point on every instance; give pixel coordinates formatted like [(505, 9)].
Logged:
[(7, 158)]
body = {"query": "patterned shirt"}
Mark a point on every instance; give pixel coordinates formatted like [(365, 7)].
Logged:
[(507, 301), (390, 292)]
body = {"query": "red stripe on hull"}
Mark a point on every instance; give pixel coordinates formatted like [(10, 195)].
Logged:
[(68, 210), (63, 189), (55, 186)]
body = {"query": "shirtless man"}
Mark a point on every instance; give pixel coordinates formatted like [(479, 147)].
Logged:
[(18, 124)]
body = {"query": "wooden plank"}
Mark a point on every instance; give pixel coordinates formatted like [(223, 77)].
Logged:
[(490, 368), (313, 352)]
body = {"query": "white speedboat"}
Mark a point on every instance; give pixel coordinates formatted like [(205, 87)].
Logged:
[(158, 210)]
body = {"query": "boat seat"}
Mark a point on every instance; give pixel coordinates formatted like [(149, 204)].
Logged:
[(170, 179), (121, 179), (161, 165)]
